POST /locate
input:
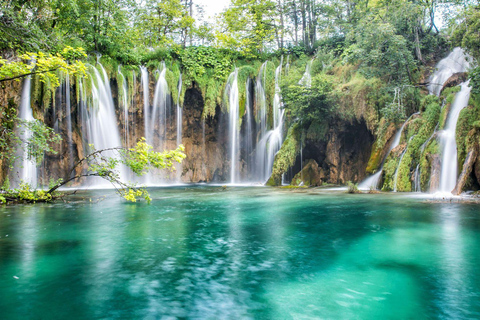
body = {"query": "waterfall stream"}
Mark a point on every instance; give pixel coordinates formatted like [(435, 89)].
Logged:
[(373, 180), (28, 168), (271, 142), (232, 97), (448, 176)]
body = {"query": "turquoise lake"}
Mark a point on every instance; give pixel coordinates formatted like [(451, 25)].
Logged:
[(241, 253)]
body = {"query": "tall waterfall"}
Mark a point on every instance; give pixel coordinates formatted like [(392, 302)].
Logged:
[(261, 100), (100, 119), (232, 97), (28, 171), (271, 142), (248, 128), (448, 175), (456, 61), (158, 118), (307, 76), (125, 105), (146, 98)]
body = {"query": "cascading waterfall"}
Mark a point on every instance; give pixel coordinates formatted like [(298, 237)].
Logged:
[(307, 76), (159, 113), (28, 171), (448, 175), (248, 138), (124, 96), (146, 99), (373, 180), (456, 61), (100, 119), (271, 142), (232, 96), (261, 100)]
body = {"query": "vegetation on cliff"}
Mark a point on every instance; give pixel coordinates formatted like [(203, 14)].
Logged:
[(369, 61)]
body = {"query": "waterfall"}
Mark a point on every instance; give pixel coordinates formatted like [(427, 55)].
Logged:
[(416, 179), (307, 76), (179, 113), (159, 113), (232, 96), (146, 99), (456, 61), (261, 100), (124, 96), (248, 137), (99, 117), (271, 142), (373, 180), (448, 175), (287, 65), (28, 170)]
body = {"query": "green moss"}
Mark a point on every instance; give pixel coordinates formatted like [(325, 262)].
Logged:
[(285, 158)]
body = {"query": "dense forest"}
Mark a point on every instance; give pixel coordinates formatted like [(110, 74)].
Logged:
[(347, 75)]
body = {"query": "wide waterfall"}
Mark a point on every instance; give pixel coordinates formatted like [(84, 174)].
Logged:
[(100, 119), (232, 99), (448, 176), (28, 169)]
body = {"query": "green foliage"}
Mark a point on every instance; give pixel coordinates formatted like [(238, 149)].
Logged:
[(309, 103), (142, 158), (45, 66), (352, 187), (34, 136), (465, 32), (196, 61)]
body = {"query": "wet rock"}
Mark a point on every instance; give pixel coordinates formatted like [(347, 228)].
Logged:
[(311, 175), (455, 80), (466, 171)]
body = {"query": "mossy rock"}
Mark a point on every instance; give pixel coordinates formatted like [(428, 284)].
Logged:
[(285, 157), (311, 175)]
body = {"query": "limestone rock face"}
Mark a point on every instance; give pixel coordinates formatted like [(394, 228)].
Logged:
[(342, 155), (311, 175), (10, 95)]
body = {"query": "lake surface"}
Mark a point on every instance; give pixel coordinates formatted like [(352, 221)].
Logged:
[(240, 253)]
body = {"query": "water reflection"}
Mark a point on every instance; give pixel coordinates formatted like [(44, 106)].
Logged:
[(244, 253)]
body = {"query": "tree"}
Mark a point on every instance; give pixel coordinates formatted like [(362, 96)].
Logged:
[(104, 164), (45, 66), (165, 22), (248, 26)]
